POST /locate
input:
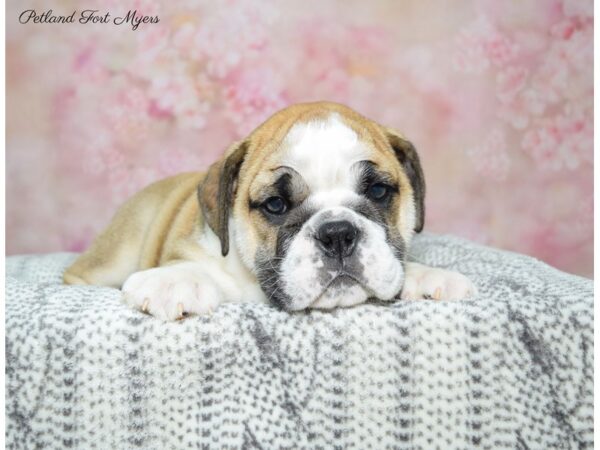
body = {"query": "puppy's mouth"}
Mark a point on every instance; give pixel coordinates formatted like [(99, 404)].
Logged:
[(340, 279), (343, 276)]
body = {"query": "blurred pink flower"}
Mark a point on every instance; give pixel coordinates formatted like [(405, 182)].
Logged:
[(251, 96), (101, 159), (152, 43), (126, 113), (490, 157), (562, 141), (521, 109), (481, 45), (178, 95), (509, 82), (232, 32), (172, 161)]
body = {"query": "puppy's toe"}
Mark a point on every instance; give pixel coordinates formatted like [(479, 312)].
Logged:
[(200, 297)]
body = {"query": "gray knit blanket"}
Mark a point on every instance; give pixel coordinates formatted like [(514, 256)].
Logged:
[(512, 368)]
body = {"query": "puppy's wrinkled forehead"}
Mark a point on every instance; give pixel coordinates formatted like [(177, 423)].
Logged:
[(324, 153)]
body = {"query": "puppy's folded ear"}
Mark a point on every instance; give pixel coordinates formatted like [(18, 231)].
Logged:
[(408, 158), (216, 193)]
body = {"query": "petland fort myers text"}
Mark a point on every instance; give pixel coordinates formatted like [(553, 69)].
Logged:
[(133, 18)]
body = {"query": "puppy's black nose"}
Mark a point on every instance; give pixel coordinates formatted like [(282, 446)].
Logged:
[(337, 238)]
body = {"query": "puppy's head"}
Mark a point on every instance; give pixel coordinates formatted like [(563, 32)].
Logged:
[(320, 204)]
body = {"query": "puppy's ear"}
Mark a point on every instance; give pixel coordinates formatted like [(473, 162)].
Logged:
[(216, 193), (408, 158)]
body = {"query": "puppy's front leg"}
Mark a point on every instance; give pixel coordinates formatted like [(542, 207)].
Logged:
[(423, 282), (169, 292)]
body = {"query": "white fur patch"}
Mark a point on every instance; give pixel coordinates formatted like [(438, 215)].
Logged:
[(323, 152)]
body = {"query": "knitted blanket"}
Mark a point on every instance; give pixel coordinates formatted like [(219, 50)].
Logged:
[(512, 368)]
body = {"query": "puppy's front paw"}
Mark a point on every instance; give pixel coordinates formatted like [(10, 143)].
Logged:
[(423, 282), (170, 293)]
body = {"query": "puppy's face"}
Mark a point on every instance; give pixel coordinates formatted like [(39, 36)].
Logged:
[(324, 206)]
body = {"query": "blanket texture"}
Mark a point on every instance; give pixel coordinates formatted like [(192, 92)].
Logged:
[(512, 368)]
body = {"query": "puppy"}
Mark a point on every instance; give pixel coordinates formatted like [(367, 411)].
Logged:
[(316, 208)]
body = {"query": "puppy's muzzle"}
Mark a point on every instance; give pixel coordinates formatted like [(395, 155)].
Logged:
[(337, 239)]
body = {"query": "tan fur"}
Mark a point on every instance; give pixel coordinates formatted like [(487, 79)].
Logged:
[(149, 230), (162, 223)]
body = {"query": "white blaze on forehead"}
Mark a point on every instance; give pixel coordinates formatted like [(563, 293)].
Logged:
[(323, 151)]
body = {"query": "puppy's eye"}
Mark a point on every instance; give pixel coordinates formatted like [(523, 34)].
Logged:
[(378, 192), (275, 205)]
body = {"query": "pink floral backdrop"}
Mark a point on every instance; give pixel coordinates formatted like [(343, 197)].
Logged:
[(496, 95)]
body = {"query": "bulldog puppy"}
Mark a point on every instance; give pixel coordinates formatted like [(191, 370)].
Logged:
[(315, 209)]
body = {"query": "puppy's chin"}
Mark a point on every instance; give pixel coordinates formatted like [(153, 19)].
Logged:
[(341, 292)]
